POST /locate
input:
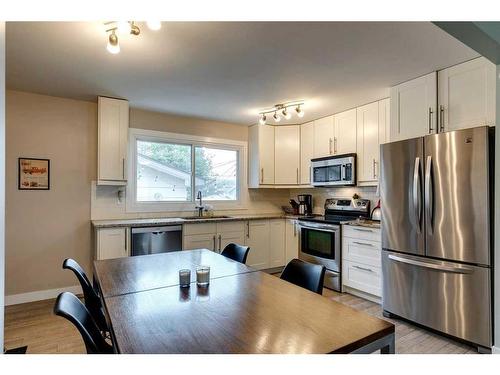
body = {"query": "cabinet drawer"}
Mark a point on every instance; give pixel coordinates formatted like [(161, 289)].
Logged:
[(362, 251), (362, 277), (231, 226), (202, 228), (362, 233), (200, 241)]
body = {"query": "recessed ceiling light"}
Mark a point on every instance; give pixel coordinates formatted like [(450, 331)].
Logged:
[(113, 46)]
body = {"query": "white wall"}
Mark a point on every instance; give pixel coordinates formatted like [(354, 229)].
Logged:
[(2, 177)]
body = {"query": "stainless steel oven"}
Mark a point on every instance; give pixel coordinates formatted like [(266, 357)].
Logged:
[(339, 170), (320, 243)]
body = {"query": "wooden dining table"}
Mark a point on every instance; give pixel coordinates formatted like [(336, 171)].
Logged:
[(243, 310)]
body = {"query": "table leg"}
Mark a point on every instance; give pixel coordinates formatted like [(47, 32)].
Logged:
[(386, 345), (390, 348)]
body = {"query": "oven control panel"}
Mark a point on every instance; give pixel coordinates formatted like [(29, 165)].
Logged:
[(345, 204)]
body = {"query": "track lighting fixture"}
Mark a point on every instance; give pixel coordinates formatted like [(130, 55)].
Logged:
[(123, 28), (276, 117), (113, 46), (284, 110), (286, 114), (299, 111)]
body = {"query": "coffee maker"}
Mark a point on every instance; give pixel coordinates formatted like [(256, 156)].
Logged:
[(305, 204)]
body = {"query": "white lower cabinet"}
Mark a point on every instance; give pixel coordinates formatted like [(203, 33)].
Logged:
[(112, 243), (277, 243), (213, 236), (258, 239), (291, 240), (362, 259)]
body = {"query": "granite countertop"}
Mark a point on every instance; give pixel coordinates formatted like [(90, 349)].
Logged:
[(363, 223), (179, 220)]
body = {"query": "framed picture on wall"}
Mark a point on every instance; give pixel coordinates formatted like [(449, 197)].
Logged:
[(34, 174)]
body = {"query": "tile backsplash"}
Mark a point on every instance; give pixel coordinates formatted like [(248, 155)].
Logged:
[(321, 194)]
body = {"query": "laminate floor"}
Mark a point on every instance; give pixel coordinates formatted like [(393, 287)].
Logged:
[(35, 325)]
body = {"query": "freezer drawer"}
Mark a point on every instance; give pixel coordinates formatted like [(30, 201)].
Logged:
[(450, 297)]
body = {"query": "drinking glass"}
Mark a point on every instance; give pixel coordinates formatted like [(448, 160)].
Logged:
[(202, 276), (184, 278)]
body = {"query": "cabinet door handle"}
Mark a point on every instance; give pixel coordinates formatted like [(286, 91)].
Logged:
[(430, 120), (220, 242), (334, 145), (374, 168), (123, 168), (441, 118), (215, 246), (248, 229), (330, 146), (295, 229), (362, 243), (297, 175), (262, 175), (126, 241), (363, 268), (363, 230)]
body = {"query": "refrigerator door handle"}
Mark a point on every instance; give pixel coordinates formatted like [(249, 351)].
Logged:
[(439, 267), (429, 198), (417, 202)]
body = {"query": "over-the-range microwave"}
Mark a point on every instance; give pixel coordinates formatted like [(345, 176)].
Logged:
[(338, 170)]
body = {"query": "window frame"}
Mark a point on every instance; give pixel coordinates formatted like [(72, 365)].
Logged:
[(132, 205)]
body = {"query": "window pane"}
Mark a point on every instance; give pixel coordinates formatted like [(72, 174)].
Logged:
[(163, 172), (216, 173)]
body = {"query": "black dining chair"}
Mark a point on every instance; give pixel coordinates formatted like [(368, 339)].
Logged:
[(236, 252), (90, 296), (306, 275), (69, 306)]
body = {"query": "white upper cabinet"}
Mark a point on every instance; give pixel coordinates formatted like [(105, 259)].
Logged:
[(384, 121), (467, 95), (368, 143), (113, 123), (413, 108), (260, 155), (306, 151), (323, 137), (344, 139), (287, 154)]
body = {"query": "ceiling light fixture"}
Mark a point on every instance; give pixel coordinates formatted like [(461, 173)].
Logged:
[(154, 25), (124, 27), (299, 111), (284, 109), (276, 117), (286, 114), (113, 46)]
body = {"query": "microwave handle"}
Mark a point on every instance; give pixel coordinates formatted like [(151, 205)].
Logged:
[(342, 173)]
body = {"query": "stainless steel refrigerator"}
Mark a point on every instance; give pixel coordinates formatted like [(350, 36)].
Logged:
[(436, 195)]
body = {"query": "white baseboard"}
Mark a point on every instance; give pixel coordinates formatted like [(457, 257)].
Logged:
[(40, 295), (495, 350)]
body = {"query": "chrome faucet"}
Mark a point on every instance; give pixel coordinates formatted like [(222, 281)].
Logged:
[(200, 207)]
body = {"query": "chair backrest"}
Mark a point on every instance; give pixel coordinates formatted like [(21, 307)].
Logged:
[(92, 301), (69, 306), (236, 252), (306, 275)]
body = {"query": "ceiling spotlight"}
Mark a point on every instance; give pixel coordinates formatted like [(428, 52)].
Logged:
[(134, 30), (276, 117), (154, 25), (113, 46), (299, 111), (262, 120), (286, 114), (124, 27)]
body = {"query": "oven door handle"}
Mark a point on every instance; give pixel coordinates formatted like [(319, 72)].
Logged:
[(322, 228)]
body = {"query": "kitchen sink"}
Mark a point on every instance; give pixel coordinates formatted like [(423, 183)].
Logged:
[(205, 217)]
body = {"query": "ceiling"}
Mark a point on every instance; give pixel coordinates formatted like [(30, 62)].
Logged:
[(228, 71)]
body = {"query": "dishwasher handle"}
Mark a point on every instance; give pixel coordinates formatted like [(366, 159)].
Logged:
[(157, 230)]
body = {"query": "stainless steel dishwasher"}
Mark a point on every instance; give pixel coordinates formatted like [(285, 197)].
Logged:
[(154, 240)]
